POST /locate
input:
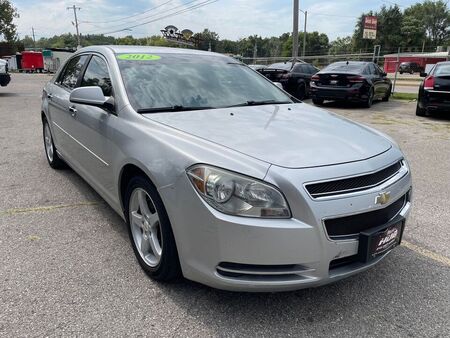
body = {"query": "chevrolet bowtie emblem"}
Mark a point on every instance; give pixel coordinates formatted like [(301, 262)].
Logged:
[(383, 198)]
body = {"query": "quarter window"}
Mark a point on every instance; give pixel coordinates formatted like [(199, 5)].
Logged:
[(72, 71), (97, 75)]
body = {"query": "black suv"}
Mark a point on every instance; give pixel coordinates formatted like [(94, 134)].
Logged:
[(410, 67), (295, 77)]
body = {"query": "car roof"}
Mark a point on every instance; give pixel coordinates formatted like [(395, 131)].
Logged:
[(146, 49)]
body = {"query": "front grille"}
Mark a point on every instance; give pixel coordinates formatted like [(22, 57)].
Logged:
[(353, 184), (348, 226)]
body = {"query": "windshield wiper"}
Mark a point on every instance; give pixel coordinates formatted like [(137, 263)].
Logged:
[(169, 109), (258, 103)]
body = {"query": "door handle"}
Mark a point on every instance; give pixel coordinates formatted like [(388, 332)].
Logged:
[(73, 111), (49, 96)]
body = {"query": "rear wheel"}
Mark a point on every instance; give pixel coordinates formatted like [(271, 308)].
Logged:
[(150, 230), (318, 101), (419, 111), (50, 151)]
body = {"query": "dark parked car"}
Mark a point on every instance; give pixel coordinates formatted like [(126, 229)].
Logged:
[(354, 81), (295, 78), (434, 91), (410, 67)]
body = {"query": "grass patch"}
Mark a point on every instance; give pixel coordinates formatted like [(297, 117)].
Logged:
[(405, 96)]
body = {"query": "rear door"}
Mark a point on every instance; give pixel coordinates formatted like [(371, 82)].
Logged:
[(377, 81), (441, 88), (59, 107)]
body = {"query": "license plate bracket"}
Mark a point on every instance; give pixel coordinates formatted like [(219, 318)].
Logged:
[(379, 240)]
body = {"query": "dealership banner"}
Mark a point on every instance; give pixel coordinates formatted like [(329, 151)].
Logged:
[(370, 27)]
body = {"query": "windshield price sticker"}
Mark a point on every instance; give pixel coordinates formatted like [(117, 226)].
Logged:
[(138, 57)]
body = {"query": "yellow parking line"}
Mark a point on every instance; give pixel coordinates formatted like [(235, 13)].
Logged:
[(427, 253), (46, 208)]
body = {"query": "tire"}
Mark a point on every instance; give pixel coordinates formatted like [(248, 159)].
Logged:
[(150, 230), (369, 101), (318, 102), (300, 92), (387, 95), (50, 150), (420, 111)]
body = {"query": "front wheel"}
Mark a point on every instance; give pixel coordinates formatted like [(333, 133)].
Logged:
[(150, 230), (317, 101), (50, 151), (300, 92), (369, 100), (387, 95)]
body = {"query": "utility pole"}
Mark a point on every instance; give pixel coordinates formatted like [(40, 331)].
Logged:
[(304, 33), (34, 38), (75, 8), (295, 32)]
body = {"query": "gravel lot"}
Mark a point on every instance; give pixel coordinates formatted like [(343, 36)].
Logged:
[(68, 268)]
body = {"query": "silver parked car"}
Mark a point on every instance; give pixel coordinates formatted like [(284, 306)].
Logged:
[(221, 176)]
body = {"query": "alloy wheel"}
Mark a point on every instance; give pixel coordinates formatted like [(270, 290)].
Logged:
[(48, 142), (145, 227)]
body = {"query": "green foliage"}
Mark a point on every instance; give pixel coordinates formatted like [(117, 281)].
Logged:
[(8, 13)]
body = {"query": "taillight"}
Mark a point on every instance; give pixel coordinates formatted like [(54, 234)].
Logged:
[(355, 79), (315, 78), (428, 83)]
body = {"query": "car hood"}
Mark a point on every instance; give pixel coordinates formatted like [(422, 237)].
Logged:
[(287, 135)]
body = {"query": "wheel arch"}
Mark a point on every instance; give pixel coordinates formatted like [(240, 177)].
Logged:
[(127, 172)]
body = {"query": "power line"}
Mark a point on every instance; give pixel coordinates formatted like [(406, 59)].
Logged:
[(143, 18), (129, 16), (188, 9)]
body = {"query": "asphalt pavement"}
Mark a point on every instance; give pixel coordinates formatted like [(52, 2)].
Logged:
[(68, 268)]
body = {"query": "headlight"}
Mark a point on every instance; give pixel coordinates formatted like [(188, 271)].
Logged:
[(236, 194)]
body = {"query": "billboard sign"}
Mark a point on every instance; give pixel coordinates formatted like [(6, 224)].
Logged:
[(184, 37), (370, 27)]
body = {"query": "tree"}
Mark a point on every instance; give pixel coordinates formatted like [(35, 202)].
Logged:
[(341, 46), (435, 20), (316, 43), (7, 15)]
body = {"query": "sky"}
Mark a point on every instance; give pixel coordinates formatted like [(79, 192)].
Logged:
[(231, 19)]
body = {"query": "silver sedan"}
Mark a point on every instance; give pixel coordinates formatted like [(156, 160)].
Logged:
[(220, 175)]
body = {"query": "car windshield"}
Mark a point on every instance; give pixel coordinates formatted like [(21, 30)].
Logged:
[(442, 70), (183, 81), (345, 67)]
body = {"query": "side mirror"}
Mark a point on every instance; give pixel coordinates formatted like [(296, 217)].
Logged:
[(383, 74), (91, 96), (279, 85), (423, 74)]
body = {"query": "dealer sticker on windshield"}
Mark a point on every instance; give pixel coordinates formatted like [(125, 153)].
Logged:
[(138, 57)]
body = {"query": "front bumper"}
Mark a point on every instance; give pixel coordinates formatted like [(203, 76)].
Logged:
[(4, 79), (248, 254)]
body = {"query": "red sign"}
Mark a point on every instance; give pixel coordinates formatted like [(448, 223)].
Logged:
[(370, 22)]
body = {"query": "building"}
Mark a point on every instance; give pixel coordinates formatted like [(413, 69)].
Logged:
[(423, 59)]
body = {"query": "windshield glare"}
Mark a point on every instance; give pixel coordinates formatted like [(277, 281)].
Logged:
[(194, 81)]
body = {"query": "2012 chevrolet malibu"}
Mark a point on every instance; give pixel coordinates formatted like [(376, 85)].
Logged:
[(220, 175)]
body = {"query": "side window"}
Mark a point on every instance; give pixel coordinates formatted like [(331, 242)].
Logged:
[(312, 69), (72, 71), (298, 69), (97, 75), (372, 69)]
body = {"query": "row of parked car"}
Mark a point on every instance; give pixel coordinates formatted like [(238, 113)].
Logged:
[(357, 81), (353, 81)]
